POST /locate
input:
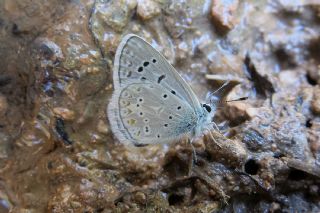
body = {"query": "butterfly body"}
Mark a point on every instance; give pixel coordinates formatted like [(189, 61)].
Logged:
[(151, 103)]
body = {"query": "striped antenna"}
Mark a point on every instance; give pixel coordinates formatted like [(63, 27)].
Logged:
[(238, 99)]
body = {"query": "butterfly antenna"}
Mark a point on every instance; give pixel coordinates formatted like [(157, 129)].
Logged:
[(222, 86), (238, 99)]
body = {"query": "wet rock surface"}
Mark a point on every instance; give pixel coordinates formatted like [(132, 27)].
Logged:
[(57, 151)]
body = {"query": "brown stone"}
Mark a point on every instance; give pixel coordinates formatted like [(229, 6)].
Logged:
[(315, 103), (147, 9), (223, 14), (3, 104)]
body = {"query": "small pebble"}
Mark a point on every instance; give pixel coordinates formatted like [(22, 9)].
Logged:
[(140, 197), (314, 190), (289, 78), (222, 13), (252, 112), (182, 50), (3, 104), (237, 188), (102, 127), (64, 113), (84, 59), (315, 103), (147, 9), (275, 207)]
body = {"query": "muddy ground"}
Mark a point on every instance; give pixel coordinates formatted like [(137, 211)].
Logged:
[(58, 153)]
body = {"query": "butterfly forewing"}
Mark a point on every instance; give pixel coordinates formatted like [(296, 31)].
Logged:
[(138, 61)]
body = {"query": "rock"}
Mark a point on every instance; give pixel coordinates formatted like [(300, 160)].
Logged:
[(313, 75), (177, 19), (48, 49), (3, 104), (116, 14), (231, 152), (289, 78), (254, 140), (284, 128), (256, 71), (64, 113), (315, 103), (141, 198), (66, 74), (237, 112), (182, 51), (102, 127), (29, 17), (223, 14), (148, 9), (314, 139)]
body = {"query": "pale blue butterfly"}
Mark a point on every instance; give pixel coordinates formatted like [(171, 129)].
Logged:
[(151, 103)]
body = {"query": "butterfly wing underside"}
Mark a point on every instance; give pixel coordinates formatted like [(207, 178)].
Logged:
[(151, 102)]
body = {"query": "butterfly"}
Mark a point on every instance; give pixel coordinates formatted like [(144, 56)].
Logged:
[(151, 103)]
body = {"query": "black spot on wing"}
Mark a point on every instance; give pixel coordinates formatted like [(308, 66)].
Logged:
[(140, 145), (161, 77), (129, 74)]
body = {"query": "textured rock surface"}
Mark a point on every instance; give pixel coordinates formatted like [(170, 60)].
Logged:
[(57, 153)]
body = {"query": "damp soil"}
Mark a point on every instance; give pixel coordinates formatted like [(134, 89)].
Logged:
[(57, 151)]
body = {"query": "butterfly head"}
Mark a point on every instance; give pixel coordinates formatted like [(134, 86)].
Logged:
[(204, 118), (208, 109), (211, 102)]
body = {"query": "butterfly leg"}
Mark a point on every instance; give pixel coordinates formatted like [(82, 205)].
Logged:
[(213, 138), (193, 152), (193, 159), (216, 126)]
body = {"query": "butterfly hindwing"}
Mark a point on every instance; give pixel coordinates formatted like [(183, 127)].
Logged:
[(150, 114)]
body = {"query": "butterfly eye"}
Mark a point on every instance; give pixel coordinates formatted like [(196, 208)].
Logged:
[(207, 107)]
